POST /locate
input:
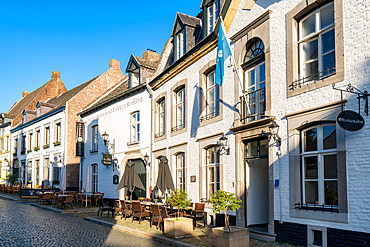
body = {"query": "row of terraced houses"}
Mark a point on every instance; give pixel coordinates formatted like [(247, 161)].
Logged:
[(306, 184)]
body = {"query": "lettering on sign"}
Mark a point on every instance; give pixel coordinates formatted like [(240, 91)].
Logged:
[(121, 107), (350, 120)]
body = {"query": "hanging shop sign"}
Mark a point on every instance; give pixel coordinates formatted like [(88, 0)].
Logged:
[(350, 120), (107, 159), (80, 139)]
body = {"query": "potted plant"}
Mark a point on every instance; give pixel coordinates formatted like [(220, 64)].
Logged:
[(222, 202), (141, 198), (23, 151), (57, 143), (155, 201), (178, 227), (46, 146), (15, 154), (12, 178), (126, 197), (29, 150), (36, 148)]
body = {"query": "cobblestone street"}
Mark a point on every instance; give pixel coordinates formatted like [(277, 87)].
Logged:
[(24, 225)]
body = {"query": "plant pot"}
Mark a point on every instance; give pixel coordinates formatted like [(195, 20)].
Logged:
[(238, 236), (178, 227)]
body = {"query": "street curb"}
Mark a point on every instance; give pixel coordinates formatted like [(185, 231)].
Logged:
[(161, 239), (9, 198), (46, 208)]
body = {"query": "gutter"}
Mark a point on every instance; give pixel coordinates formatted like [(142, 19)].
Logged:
[(150, 91), (57, 110)]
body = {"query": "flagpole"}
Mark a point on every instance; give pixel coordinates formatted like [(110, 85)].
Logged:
[(234, 64)]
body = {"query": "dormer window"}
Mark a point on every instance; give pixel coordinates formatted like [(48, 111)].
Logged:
[(180, 44), (134, 78), (213, 11)]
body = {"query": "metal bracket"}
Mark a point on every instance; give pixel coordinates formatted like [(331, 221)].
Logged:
[(360, 95)]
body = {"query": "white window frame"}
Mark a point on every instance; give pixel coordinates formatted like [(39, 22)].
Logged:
[(213, 12), (30, 137), (37, 170), (94, 138), (37, 138), (319, 153), (216, 168), (216, 102), (317, 35), (180, 108), (180, 171), (94, 176), (135, 127), (254, 99), (161, 117), (47, 135), (134, 79), (180, 44), (58, 131)]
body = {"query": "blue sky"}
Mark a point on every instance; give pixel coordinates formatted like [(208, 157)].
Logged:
[(77, 39)]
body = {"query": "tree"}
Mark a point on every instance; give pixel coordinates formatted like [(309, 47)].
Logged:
[(12, 178), (223, 201), (178, 199)]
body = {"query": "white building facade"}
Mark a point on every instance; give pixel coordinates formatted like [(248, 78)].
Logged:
[(37, 144), (126, 118), (5, 157)]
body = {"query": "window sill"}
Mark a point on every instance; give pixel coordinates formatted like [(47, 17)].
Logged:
[(322, 216), (134, 143), (93, 151), (159, 136), (317, 208), (210, 118)]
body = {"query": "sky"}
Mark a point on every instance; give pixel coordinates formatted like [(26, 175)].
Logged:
[(77, 39)]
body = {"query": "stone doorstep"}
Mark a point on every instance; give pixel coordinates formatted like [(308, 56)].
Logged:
[(263, 236), (161, 239)]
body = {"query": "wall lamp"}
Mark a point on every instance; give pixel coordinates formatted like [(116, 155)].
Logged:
[(146, 159), (274, 130), (224, 144), (105, 138)]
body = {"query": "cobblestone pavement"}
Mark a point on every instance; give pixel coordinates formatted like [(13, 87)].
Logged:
[(25, 225)]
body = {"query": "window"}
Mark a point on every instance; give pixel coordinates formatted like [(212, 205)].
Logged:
[(94, 139), (57, 134), (161, 116), (46, 172), (213, 170), (23, 149), (47, 137), (29, 142), (37, 165), (56, 175), (180, 44), (212, 97), (15, 146), (180, 171), (94, 177), (29, 172), (37, 139), (134, 78), (7, 143), (213, 12), (254, 82), (317, 44), (319, 166), (135, 128), (180, 109)]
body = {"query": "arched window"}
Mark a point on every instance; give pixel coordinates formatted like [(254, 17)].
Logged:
[(254, 81), (213, 170)]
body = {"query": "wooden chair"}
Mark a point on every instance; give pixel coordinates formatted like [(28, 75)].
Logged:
[(198, 213), (103, 207), (16, 190), (39, 197), (86, 200), (10, 189), (68, 200), (138, 211), (78, 200), (126, 209), (47, 198), (155, 215)]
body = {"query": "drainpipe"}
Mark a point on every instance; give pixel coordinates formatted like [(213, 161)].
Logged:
[(281, 209), (150, 91)]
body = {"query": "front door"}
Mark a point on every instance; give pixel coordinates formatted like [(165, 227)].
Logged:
[(141, 171), (256, 173)]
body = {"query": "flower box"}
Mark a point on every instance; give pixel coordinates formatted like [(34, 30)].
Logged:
[(46, 146), (23, 151), (36, 148), (15, 154), (178, 227), (56, 143), (29, 150), (237, 236)]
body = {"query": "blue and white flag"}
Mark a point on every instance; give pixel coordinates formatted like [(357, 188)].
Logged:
[(223, 52)]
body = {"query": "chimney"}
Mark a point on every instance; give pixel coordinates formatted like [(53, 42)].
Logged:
[(24, 93), (150, 55), (55, 75), (115, 64)]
